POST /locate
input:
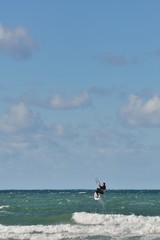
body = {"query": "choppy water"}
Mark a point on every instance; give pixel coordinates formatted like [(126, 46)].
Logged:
[(74, 214)]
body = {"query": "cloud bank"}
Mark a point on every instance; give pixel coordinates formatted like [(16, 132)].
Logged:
[(138, 112), (16, 42)]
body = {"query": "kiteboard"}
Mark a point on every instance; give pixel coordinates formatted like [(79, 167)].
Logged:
[(97, 197)]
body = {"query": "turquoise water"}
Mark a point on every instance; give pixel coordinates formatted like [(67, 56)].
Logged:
[(74, 214)]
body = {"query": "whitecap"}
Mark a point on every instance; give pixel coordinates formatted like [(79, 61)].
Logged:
[(89, 225), (4, 206)]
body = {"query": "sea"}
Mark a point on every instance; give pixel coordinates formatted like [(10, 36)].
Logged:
[(74, 214)]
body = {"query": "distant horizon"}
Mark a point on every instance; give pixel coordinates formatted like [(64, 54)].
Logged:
[(74, 189)]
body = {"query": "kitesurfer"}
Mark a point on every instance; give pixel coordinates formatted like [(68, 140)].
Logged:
[(101, 189)]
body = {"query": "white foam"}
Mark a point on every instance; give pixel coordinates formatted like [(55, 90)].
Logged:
[(119, 225), (5, 206), (88, 225)]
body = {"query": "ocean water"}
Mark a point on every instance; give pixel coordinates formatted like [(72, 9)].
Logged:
[(74, 214)]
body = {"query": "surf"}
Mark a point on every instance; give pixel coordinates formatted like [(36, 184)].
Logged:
[(118, 224), (86, 225)]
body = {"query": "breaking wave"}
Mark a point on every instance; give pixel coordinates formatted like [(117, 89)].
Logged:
[(85, 225)]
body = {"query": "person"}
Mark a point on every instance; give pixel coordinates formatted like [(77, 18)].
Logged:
[(101, 188)]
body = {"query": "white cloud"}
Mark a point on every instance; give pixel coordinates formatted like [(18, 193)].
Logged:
[(18, 118), (141, 113), (59, 102), (16, 42)]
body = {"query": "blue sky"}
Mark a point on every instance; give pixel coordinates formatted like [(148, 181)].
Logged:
[(80, 94)]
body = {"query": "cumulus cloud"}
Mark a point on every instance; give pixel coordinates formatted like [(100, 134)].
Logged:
[(138, 112), (23, 132), (16, 42), (59, 102), (18, 118)]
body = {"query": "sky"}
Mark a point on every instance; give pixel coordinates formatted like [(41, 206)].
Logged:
[(79, 94)]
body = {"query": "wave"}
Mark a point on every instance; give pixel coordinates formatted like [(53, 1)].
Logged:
[(86, 225), (118, 224), (4, 206)]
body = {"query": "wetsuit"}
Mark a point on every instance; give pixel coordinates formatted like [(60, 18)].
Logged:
[(101, 189)]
